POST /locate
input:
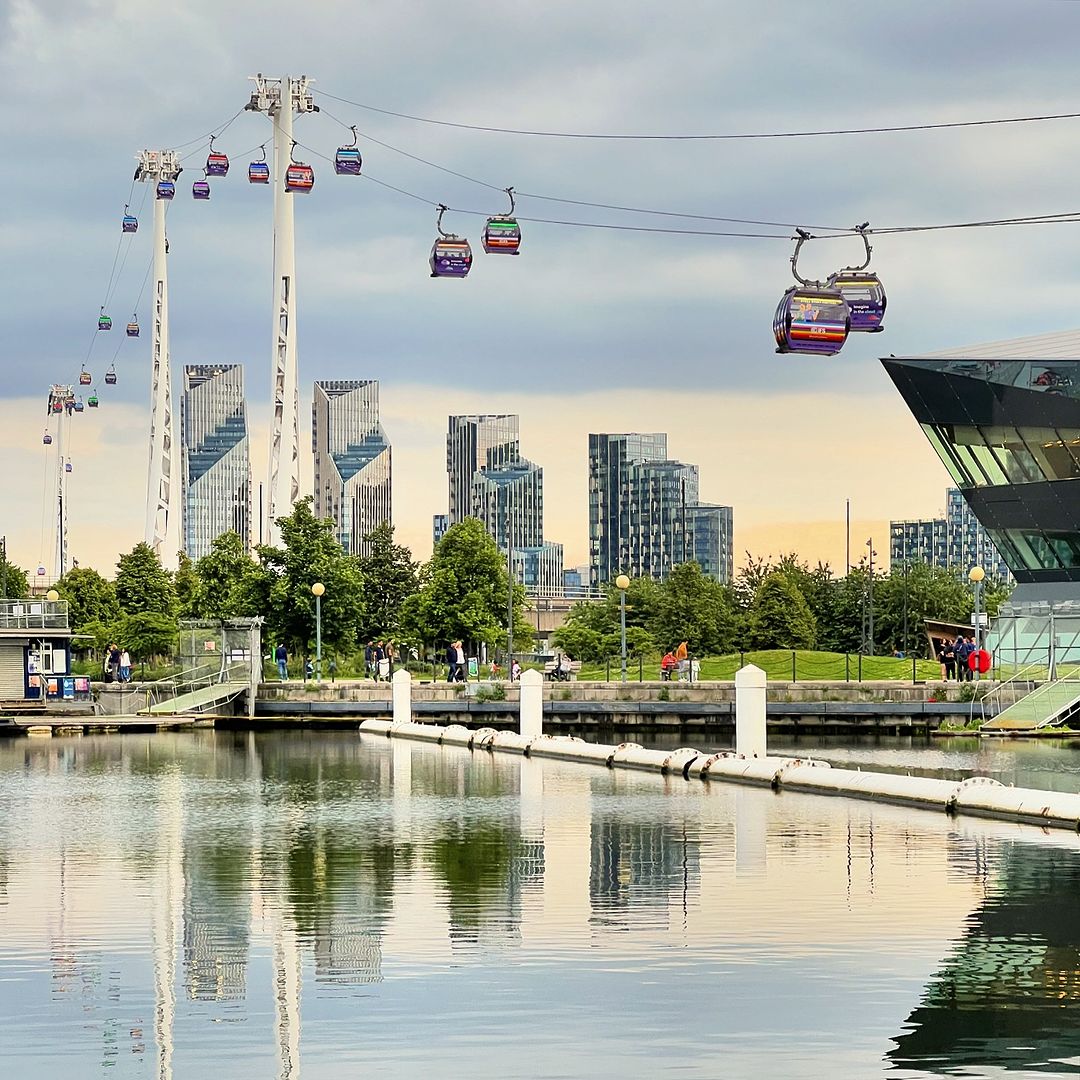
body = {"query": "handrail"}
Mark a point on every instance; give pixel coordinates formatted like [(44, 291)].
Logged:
[(1016, 677), (212, 673)]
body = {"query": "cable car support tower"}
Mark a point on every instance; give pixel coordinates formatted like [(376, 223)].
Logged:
[(162, 533), (279, 98)]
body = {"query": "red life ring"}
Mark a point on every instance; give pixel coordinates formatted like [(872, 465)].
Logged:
[(979, 661)]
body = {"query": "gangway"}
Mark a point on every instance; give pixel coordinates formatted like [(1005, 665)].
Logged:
[(198, 690), (1049, 705)]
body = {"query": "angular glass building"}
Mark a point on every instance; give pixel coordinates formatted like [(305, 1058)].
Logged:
[(352, 459), (215, 472), (474, 443), (1005, 420)]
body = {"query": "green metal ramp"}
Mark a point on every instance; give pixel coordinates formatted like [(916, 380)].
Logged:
[(196, 701), (1051, 703)]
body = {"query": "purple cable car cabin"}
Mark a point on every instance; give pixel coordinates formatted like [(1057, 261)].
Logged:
[(132, 329), (258, 173), (200, 190), (811, 320), (347, 161), (217, 164), (166, 189), (865, 298), (451, 256), (130, 223)]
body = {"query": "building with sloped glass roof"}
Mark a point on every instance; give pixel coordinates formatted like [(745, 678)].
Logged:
[(1005, 420)]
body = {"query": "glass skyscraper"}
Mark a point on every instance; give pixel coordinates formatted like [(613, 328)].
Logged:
[(352, 459), (1005, 420), (954, 542), (644, 513), (215, 465), (491, 481)]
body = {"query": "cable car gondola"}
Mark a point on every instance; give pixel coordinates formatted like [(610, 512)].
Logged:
[(298, 176), (259, 171), (104, 322), (133, 327), (451, 255), (92, 401), (863, 291), (57, 405), (41, 571), (811, 317), (85, 378), (217, 163), (130, 222), (67, 466), (78, 405), (47, 439), (110, 375), (347, 160), (166, 189), (502, 234), (200, 189)]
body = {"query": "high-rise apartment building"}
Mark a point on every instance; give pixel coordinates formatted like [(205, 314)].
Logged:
[(352, 459), (491, 481), (954, 542), (473, 443), (439, 524), (215, 473), (644, 513)]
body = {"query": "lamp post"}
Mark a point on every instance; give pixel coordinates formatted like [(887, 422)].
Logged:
[(870, 600), (622, 583), (317, 590), (975, 576)]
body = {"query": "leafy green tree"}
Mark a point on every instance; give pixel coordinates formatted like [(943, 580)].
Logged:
[(464, 591), (91, 599), (579, 641), (282, 586), (696, 609), (780, 616), (390, 578), (143, 585), (13, 581), (224, 580), (147, 634), (186, 587)]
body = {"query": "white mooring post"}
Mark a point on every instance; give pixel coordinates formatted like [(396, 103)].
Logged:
[(750, 738), (401, 685), (531, 716)]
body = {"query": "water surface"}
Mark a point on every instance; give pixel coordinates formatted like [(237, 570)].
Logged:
[(321, 904)]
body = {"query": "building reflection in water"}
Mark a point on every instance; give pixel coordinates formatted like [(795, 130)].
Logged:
[(281, 869)]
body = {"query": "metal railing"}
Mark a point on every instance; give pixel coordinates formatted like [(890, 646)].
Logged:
[(1008, 691), (197, 678), (33, 615)]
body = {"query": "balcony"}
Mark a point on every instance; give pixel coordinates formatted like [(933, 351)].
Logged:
[(20, 615)]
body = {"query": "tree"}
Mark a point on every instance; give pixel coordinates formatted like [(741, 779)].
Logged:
[(282, 585), (146, 634), (91, 600), (224, 581), (13, 582), (579, 641), (696, 609), (389, 580), (780, 616), (464, 590), (143, 585), (186, 587)]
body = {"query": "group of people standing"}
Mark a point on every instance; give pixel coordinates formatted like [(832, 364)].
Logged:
[(955, 657), (379, 659), (117, 664)]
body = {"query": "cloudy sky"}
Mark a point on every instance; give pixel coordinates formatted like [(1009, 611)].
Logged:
[(588, 329)]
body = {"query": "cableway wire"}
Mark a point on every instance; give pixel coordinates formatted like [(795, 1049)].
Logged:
[(1035, 219), (888, 129)]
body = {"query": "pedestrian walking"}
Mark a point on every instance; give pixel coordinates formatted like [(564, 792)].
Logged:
[(281, 656), (369, 660), (114, 662), (125, 666)]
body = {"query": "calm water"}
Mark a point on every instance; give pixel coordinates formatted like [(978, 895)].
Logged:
[(323, 905)]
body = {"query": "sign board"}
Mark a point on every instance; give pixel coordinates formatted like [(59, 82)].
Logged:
[(984, 619), (209, 646), (474, 668)]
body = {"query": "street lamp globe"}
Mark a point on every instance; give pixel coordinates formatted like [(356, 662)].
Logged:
[(976, 574), (622, 583), (318, 588), (52, 595)]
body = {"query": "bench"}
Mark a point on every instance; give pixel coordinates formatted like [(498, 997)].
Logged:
[(570, 670)]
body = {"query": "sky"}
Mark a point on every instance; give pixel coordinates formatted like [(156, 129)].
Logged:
[(587, 329)]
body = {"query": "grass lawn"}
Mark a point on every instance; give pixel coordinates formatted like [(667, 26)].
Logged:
[(776, 663)]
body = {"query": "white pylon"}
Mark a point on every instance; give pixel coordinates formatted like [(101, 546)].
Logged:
[(279, 98), (162, 532), (66, 396)]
